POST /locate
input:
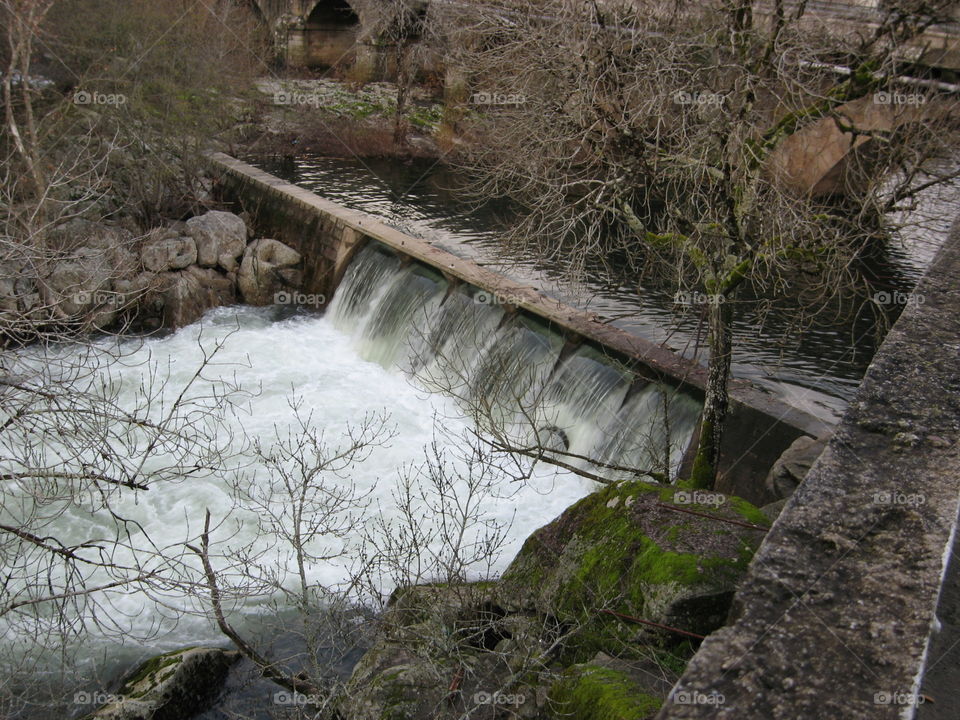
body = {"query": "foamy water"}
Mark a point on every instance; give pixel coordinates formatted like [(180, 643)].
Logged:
[(308, 357)]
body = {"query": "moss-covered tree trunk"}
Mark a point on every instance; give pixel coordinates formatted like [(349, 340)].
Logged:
[(720, 342)]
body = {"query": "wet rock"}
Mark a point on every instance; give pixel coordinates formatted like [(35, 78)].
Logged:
[(793, 465), (268, 268), (221, 238), (187, 294), (171, 686)]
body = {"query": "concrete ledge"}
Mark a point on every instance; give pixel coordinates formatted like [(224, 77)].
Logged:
[(835, 615), (760, 426)]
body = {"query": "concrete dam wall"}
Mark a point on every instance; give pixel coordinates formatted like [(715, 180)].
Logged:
[(329, 237)]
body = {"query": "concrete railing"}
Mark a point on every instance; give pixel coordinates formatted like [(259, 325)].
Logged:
[(835, 616)]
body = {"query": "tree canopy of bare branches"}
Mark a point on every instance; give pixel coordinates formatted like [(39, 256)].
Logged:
[(644, 135)]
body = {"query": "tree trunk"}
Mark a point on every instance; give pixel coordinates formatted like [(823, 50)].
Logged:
[(403, 83), (720, 341)]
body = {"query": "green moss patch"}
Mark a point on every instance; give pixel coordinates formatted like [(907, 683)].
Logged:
[(591, 692), (151, 673)]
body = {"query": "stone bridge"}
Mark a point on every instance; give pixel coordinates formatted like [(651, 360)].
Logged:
[(833, 154), (324, 32)]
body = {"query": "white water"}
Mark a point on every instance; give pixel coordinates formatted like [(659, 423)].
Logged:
[(511, 374), (391, 333), (310, 357)]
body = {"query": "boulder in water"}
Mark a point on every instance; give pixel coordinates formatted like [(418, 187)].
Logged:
[(221, 238), (187, 294), (171, 686), (269, 267)]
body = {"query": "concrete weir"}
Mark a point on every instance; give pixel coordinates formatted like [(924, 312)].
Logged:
[(328, 235), (836, 614)]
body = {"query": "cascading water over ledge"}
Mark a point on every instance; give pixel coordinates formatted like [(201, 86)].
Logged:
[(520, 380), (759, 425)]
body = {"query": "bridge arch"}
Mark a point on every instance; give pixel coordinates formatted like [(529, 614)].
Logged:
[(330, 31), (330, 15)]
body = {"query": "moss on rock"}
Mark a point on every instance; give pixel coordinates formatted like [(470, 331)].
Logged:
[(151, 673), (592, 692), (620, 549), (174, 685)]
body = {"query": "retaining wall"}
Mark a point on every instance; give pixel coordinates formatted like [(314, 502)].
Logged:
[(836, 613)]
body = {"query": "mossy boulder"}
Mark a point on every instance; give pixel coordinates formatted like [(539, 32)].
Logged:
[(505, 648), (172, 686), (623, 549)]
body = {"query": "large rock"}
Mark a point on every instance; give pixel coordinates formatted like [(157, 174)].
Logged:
[(509, 648), (447, 646), (621, 550), (173, 686), (159, 254), (115, 242), (793, 465), (79, 288), (268, 268), (187, 294), (221, 238)]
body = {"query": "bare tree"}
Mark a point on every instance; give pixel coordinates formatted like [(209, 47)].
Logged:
[(646, 136), (76, 439), (306, 509), (397, 25), (79, 439)]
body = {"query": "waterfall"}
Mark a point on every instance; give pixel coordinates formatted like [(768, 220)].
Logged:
[(510, 371)]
